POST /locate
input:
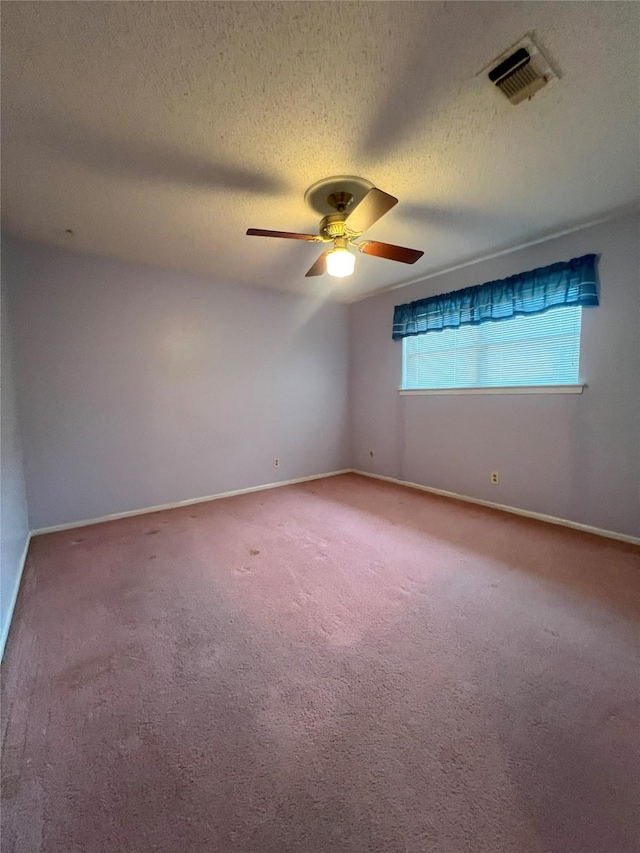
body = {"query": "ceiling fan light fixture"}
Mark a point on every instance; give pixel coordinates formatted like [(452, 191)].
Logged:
[(340, 262)]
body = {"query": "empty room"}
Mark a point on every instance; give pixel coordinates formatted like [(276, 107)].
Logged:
[(327, 548)]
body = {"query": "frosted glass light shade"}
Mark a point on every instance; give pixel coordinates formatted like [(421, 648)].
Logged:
[(340, 263)]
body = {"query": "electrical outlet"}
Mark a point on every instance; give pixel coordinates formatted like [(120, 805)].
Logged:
[(495, 479), (276, 462)]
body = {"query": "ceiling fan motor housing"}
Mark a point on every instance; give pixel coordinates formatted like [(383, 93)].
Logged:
[(332, 226)]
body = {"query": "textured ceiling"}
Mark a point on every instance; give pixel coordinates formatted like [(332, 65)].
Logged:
[(158, 132)]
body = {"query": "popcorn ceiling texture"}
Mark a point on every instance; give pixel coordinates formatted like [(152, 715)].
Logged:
[(345, 666), (158, 132)]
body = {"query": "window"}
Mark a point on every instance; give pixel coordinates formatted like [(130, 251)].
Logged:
[(538, 349)]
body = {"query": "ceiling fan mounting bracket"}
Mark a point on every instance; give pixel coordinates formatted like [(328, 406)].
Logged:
[(341, 201), (326, 196)]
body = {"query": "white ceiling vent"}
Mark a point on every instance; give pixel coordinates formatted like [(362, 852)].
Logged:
[(520, 71)]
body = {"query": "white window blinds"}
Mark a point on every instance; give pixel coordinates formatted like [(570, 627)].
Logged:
[(541, 349)]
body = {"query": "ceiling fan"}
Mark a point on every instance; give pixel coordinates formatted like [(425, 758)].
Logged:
[(348, 206)]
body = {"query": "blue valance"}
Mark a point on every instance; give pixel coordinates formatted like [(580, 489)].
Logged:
[(572, 282)]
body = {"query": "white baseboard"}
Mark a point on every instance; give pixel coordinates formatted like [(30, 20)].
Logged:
[(116, 515), (14, 597), (552, 519)]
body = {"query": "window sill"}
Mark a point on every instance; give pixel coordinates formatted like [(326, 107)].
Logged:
[(508, 389)]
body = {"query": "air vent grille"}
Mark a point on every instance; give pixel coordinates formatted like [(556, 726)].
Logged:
[(521, 83), (521, 71)]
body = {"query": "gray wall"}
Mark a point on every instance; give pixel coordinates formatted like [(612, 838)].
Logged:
[(141, 387), (14, 527), (572, 456)]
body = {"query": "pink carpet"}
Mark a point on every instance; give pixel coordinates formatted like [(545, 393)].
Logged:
[(336, 667)]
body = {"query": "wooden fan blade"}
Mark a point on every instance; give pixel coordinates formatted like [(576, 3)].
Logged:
[(288, 235), (372, 207), (389, 251), (320, 266)]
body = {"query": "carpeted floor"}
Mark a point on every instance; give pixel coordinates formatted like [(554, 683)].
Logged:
[(336, 667)]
